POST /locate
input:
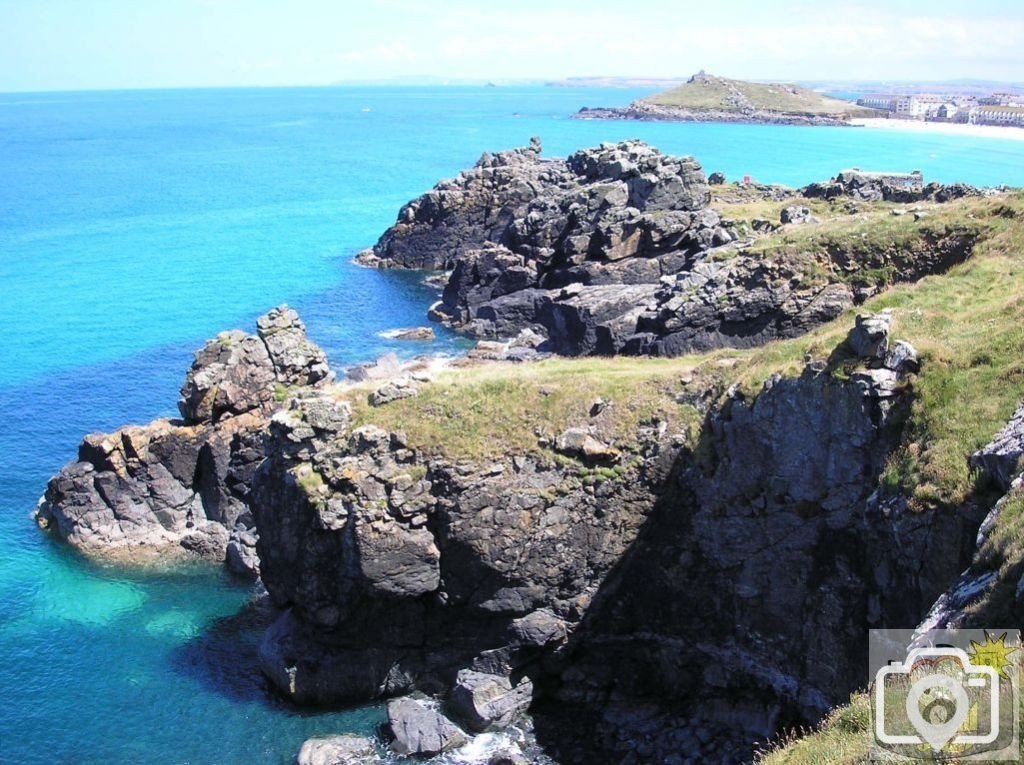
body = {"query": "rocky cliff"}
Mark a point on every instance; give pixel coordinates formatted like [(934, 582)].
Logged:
[(180, 487), (660, 560), (739, 564), (616, 250)]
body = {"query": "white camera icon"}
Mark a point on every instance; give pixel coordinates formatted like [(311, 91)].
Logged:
[(949, 703)]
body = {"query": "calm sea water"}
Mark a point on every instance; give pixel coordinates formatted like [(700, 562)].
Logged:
[(134, 225)]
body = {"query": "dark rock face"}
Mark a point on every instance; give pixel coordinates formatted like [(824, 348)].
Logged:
[(183, 487), (1001, 457), (615, 251), (741, 570), (398, 577)]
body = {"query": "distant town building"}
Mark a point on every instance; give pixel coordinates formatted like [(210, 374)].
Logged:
[(922, 105), (1002, 99), (885, 103), (997, 115), (996, 109)]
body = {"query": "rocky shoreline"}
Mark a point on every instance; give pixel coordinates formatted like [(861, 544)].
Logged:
[(644, 112), (624, 589)]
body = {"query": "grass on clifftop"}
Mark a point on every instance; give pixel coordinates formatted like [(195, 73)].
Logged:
[(966, 325), (496, 410), (709, 93)]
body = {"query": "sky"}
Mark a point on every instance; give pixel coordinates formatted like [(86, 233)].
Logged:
[(114, 44)]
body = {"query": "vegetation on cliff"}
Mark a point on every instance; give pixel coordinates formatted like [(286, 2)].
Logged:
[(705, 92)]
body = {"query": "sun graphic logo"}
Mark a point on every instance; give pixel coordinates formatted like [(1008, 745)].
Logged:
[(995, 653), (944, 695)]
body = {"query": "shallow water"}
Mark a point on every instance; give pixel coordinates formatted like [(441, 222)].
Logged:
[(134, 225)]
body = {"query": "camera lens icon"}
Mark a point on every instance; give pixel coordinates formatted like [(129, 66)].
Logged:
[(939, 695)]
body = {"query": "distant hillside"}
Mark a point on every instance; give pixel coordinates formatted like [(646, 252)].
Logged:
[(705, 92), (706, 98)]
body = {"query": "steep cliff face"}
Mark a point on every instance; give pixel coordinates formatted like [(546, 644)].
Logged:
[(747, 595), (400, 572), (181, 487), (740, 567)]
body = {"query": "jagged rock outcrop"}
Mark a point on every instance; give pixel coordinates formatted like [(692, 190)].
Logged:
[(182, 487), (877, 187), (991, 590), (1001, 457), (615, 250)]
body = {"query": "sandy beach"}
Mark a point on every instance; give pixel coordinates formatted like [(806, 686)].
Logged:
[(944, 128)]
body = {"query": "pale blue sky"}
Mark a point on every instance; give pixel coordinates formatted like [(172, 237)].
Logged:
[(84, 44)]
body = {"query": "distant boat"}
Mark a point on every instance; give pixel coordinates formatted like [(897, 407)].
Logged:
[(365, 109), (490, 85)]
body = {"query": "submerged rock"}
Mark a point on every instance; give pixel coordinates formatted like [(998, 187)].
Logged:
[(338, 750)]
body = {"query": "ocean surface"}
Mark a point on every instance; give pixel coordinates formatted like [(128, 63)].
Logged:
[(133, 225)]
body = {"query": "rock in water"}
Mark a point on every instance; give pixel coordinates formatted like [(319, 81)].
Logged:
[(488, 702), (419, 729), (175, 488), (337, 750)]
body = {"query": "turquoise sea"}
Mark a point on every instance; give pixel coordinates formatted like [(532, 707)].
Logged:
[(135, 224)]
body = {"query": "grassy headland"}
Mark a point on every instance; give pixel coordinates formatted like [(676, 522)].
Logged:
[(705, 92)]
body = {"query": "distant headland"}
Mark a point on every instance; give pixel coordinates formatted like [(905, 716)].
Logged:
[(707, 98)]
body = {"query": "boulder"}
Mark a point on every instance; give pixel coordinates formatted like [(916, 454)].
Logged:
[(902, 358), (394, 390), (578, 442), (338, 750), (797, 214), (241, 556), (415, 333), (386, 367), (420, 729), (539, 628), (869, 338), (1001, 457), (295, 359), (485, 702)]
